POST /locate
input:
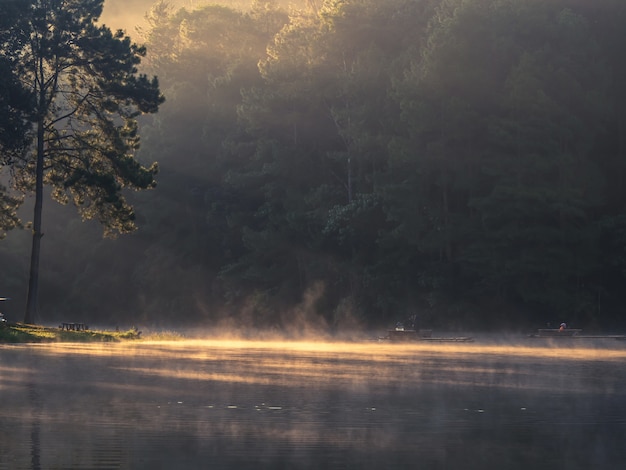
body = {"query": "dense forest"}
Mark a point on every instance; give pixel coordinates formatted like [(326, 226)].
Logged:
[(351, 162)]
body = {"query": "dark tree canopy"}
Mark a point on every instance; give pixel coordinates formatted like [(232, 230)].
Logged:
[(351, 161), (14, 106)]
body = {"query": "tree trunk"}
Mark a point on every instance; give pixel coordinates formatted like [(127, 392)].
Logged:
[(33, 281)]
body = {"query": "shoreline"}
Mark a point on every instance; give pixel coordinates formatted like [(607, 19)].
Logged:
[(12, 333)]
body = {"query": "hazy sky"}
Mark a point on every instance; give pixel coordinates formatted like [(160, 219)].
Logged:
[(128, 14)]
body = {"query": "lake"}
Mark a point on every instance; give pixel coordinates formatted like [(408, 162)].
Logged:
[(519, 404)]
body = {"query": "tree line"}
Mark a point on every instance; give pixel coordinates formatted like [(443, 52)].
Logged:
[(357, 161)]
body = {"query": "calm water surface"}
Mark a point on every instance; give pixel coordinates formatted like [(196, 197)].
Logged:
[(245, 404)]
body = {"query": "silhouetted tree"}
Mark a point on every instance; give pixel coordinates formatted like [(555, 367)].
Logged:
[(87, 95)]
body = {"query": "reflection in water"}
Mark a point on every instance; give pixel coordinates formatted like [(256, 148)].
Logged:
[(254, 404), (35, 406)]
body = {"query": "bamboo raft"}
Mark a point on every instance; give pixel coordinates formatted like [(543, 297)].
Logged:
[(408, 335), (557, 332), (571, 333)]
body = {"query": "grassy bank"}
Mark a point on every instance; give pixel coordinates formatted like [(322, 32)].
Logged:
[(21, 333)]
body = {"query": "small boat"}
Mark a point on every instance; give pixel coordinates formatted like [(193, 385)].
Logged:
[(402, 334)]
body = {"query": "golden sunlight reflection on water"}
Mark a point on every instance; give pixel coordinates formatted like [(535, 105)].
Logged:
[(292, 363), (371, 351)]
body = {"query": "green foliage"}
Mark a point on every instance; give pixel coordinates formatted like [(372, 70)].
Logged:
[(20, 333), (8, 211), (14, 105), (368, 159)]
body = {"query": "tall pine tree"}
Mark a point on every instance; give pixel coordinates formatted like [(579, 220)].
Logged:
[(87, 94)]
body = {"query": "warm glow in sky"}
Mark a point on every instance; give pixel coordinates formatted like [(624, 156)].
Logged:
[(129, 14)]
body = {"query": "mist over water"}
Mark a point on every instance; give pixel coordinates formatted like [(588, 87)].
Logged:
[(307, 404)]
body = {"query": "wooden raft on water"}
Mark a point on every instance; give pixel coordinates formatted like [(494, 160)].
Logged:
[(404, 335), (572, 333)]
